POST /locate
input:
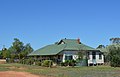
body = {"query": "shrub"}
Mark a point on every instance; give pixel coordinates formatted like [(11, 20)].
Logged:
[(114, 55), (47, 63), (68, 63), (115, 61), (29, 61), (72, 63), (38, 63), (11, 60), (62, 63), (21, 61)]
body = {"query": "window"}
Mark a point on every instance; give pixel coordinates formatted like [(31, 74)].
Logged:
[(94, 55), (100, 56), (68, 57)]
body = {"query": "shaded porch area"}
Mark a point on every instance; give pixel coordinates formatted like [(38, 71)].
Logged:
[(55, 58)]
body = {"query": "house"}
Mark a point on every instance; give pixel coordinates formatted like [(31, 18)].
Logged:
[(68, 49), (105, 51)]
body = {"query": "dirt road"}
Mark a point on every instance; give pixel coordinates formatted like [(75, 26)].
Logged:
[(17, 74)]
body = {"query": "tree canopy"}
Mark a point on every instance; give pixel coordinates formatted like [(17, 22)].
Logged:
[(17, 50), (114, 55), (115, 40), (100, 46)]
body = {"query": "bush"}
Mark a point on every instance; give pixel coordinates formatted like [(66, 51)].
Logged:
[(68, 63), (11, 60), (114, 55), (38, 63), (115, 61), (62, 63), (21, 61), (29, 61), (47, 63), (72, 63)]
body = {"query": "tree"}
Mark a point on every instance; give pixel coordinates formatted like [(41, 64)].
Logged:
[(100, 46), (5, 53), (18, 46), (115, 40), (114, 55), (27, 49), (19, 50), (1, 54)]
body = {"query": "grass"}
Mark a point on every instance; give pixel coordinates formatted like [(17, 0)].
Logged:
[(96, 71)]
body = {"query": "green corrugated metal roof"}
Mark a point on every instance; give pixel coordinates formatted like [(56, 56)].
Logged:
[(49, 50), (72, 44), (69, 44)]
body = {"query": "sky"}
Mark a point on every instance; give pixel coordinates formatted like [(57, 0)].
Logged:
[(44, 22)]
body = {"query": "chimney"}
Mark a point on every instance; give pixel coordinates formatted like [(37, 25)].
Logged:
[(78, 40)]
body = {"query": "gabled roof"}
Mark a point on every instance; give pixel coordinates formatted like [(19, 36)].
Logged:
[(73, 44), (64, 44)]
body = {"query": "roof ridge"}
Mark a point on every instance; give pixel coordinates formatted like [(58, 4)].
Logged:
[(68, 39)]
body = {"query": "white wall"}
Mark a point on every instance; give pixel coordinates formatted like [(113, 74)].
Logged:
[(73, 53), (90, 60), (97, 58)]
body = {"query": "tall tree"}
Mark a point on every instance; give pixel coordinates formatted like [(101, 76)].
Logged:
[(27, 49), (115, 40), (19, 50), (18, 46)]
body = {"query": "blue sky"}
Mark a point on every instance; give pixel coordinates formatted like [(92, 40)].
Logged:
[(43, 22)]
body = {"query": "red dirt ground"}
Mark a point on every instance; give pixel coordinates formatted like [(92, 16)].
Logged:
[(17, 74)]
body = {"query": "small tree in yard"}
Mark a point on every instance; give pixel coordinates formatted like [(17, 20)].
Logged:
[(114, 55)]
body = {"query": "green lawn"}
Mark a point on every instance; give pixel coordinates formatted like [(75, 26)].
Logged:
[(96, 71)]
